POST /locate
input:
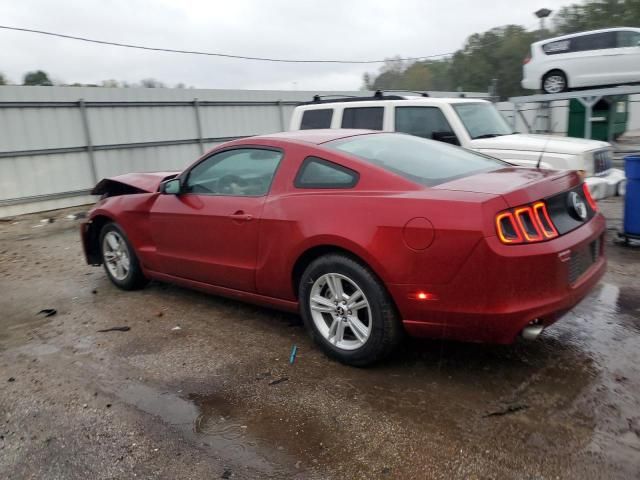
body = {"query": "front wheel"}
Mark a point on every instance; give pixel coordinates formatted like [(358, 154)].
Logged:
[(554, 82), (119, 259), (347, 310)]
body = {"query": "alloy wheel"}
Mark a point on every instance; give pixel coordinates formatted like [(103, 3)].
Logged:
[(115, 253), (340, 311), (554, 84)]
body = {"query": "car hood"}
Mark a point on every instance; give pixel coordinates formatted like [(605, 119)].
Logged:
[(132, 183), (517, 185), (538, 143)]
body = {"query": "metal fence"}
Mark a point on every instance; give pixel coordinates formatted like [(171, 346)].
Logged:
[(57, 142)]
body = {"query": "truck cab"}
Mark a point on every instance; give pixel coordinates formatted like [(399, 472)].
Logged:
[(474, 124)]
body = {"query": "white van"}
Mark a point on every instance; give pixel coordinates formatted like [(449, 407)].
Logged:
[(587, 59), (471, 123)]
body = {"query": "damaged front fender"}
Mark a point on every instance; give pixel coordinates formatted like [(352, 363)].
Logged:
[(131, 183)]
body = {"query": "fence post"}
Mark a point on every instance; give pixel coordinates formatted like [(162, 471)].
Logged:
[(87, 138), (196, 109), (281, 114)]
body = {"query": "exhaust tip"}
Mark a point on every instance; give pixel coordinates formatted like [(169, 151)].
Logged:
[(532, 331)]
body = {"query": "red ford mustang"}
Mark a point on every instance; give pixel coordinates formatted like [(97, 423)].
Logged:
[(367, 235)]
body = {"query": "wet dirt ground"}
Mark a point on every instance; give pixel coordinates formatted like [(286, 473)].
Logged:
[(217, 397)]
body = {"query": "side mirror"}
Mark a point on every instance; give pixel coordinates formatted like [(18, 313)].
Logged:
[(171, 187), (446, 137)]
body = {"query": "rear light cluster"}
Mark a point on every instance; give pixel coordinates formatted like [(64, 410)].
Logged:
[(526, 224), (526, 59), (590, 200)]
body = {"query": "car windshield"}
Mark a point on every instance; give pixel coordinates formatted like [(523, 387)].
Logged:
[(426, 162), (482, 120)]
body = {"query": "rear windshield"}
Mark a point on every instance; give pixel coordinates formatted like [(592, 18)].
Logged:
[(426, 162)]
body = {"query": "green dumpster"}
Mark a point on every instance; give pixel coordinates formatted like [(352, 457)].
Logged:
[(609, 118)]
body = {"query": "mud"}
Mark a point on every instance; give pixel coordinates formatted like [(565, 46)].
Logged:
[(200, 401)]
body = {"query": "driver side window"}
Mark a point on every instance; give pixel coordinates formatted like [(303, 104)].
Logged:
[(239, 172)]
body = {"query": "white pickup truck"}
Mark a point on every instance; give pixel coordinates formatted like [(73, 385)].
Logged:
[(471, 123)]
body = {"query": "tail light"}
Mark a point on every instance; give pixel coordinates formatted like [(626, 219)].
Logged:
[(526, 224), (526, 59), (590, 200)]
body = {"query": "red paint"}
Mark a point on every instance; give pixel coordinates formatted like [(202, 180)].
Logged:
[(440, 241)]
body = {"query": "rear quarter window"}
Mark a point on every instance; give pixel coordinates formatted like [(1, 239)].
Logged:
[(316, 119), (319, 173)]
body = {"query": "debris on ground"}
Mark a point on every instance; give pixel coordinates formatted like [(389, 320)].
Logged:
[(94, 291), (11, 379), (278, 380), (115, 329), (227, 473), (159, 313), (177, 327), (292, 357), (47, 312), (76, 216), (512, 408)]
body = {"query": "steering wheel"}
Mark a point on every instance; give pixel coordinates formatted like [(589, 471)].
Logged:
[(229, 183)]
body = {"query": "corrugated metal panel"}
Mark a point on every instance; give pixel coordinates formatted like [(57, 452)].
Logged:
[(116, 135)]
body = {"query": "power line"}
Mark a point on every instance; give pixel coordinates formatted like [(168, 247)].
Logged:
[(214, 54)]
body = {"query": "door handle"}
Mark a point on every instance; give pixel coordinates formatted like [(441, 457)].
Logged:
[(241, 216)]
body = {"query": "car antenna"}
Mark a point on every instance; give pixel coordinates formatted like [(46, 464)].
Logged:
[(544, 149)]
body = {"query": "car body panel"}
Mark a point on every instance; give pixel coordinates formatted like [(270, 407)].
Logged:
[(483, 290)]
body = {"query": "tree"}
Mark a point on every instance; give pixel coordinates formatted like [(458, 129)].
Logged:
[(151, 83), (597, 14), (37, 77), (3, 79)]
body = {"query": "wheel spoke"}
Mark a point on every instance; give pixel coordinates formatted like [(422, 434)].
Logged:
[(333, 328), (120, 273), (109, 256), (351, 301), (358, 328), (358, 305), (335, 286), (339, 331), (325, 302), (113, 241)]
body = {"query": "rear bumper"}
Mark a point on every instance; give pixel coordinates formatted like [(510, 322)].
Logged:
[(502, 288)]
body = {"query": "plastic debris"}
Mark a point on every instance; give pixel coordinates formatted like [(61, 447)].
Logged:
[(278, 380), (292, 357), (47, 312), (513, 408), (176, 328), (116, 329)]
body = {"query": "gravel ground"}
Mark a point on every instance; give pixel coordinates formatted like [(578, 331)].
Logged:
[(201, 387)]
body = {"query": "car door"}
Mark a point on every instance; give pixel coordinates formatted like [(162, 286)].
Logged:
[(595, 60), (628, 58), (209, 231)]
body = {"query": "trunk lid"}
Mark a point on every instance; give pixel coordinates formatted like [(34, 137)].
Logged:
[(517, 185)]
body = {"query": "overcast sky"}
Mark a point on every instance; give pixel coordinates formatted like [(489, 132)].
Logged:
[(302, 29)]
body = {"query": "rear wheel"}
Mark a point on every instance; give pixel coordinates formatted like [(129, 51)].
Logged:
[(119, 259), (554, 82), (347, 310)]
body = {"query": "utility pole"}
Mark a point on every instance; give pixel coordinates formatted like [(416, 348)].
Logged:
[(542, 14)]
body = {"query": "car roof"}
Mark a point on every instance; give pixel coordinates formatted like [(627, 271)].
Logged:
[(407, 101), (580, 34), (317, 136)]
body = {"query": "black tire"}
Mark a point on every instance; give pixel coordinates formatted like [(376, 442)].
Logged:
[(385, 328), (560, 76), (134, 279)]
